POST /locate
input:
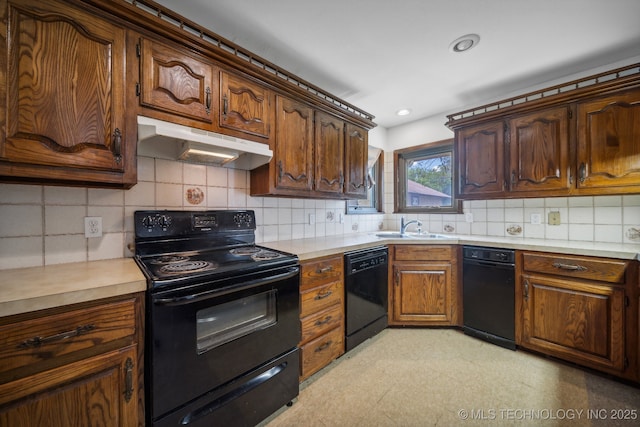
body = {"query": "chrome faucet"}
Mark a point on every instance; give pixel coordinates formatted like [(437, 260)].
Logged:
[(403, 225)]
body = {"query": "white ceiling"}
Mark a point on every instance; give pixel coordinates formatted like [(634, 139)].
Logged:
[(384, 55)]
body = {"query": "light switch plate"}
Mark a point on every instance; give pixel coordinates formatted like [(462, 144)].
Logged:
[(536, 218), (554, 218)]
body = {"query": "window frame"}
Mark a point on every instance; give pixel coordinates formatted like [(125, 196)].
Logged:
[(400, 158), (376, 206)]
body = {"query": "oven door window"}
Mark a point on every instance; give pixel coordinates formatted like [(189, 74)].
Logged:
[(226, 322)]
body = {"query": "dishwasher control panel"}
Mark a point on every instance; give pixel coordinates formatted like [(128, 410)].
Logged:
[(489, 254)]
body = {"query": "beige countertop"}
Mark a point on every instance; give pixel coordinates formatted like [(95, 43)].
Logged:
[(36, 288), (331, 245)]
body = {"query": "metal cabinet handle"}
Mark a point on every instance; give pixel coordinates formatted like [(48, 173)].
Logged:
[(569, 267), (117, 145), (36, 342), (582, 173), (225, 105), (324, 270), (128, 379), (526, 290), (324, 321), (323, 346), (323, 296), (207, 101)]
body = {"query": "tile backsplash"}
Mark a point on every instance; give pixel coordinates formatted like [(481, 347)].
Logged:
[(42, 225)]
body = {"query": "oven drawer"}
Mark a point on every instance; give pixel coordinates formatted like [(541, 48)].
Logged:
[(321, 297), (602, 270), (318, 353), (319, 272), (319, 323), (41, 339)]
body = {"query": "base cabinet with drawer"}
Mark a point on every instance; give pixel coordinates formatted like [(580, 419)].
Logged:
[(578, 309), (321, 313), (424, 288), (74, 366)]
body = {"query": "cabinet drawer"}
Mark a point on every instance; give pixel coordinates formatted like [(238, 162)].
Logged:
[(320, 298), (45, 338), (322, 271), (321, 351), (603, 270), (423, 252), (319, 323)]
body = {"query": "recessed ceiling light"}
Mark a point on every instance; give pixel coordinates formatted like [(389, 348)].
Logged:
[(464, 43), (403, 112)]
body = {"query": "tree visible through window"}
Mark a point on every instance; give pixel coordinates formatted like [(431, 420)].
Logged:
[(425, 178)]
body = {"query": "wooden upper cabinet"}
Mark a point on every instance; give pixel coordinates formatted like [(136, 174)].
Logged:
[(293, 153), (245, 106), (538, 148), (329, 154), (480, 151), (609, 142), (174, 82), (356, 157), (65, 95)]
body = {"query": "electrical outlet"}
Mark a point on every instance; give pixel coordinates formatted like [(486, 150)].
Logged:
[(554, 218), (92, 226), (312, 219), (468, 217)]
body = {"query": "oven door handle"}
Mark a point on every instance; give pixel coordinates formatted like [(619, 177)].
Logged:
[(188, 299)]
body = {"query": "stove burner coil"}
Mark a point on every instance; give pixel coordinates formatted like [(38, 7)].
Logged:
[(265, 255), (249, 250), (168, 259), (186, 267)]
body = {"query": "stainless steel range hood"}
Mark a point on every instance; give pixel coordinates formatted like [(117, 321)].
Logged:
[(164, 140)]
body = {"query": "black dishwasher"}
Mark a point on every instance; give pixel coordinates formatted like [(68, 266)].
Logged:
[(489, 294), (366, 294)]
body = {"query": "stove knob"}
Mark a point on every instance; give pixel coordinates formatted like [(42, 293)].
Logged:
[(165, 221), (149, 222)]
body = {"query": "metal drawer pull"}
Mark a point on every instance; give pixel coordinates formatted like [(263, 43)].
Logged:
[(128, 379), (36, 342), (324, 346), (323, 322), (526, 290), (323, 296), (570, 267), (324, 270)]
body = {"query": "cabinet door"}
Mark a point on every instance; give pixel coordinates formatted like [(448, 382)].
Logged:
[(175, 82), (609, 143), (293, 154), (245, 106), (480, 151), (329, 154), (575, 320), (356, 157), (101, 390), (422, 293), (65, 103), (539, 151)]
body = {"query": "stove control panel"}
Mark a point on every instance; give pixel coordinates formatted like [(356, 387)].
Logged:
[(168, 224), (205, 221)]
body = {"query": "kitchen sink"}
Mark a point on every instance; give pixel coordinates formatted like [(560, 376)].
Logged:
[(413, 235)]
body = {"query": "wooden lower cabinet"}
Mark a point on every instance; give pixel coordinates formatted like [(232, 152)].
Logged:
[(423, 287), (321, 313), (77, 366), (578, 309)]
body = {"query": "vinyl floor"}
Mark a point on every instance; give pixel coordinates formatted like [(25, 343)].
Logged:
[(441, 377)]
